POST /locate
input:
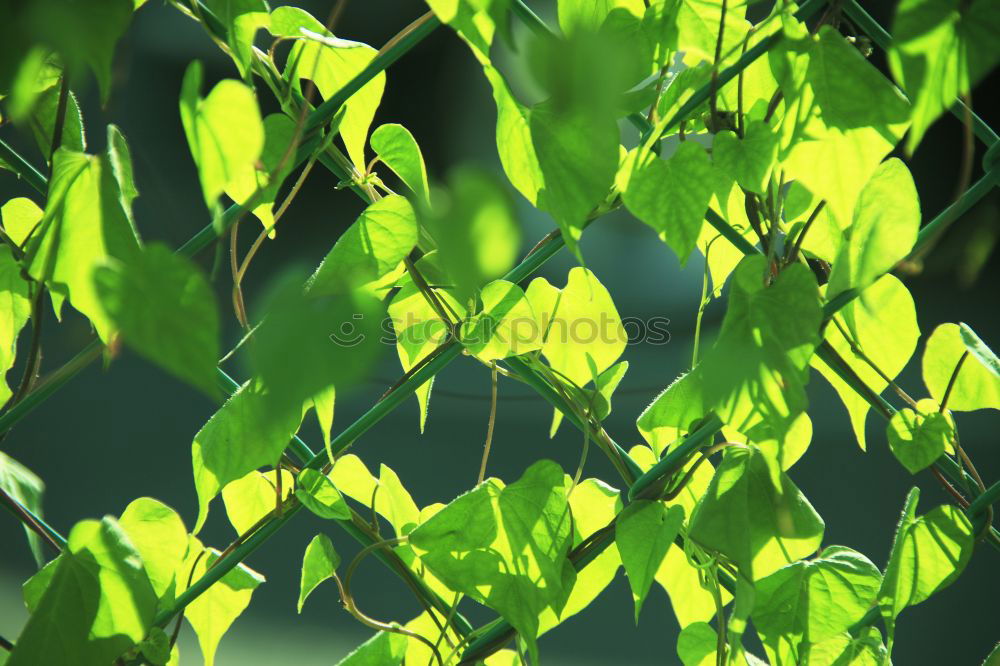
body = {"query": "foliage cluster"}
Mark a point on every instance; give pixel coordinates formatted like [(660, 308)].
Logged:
[(764, 146)]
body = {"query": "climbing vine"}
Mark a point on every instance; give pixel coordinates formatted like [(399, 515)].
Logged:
[(761, 138)]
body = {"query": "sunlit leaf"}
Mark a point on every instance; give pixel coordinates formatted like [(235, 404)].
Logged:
[(841, 116), (886, 220), (212, 613), (976, 386), (263, 178), (398, 150), (748, 160), (382, 649), (318, 494), (811, 601), (159, 536), (245, 434), (940, 50), (882, 325), (697, 644), (379, 239), (755, 515), (671, 196), (98, 603), (24, 486), (331, 63), (319, 563), (165, 309), (506, 326), (224, 131), (86, 222), (928, 554), (643, 533), (15, 310), (474, 228), (918, 439), (579, 324), (240, 19), (253, 497), (506, 546), (757, 370)]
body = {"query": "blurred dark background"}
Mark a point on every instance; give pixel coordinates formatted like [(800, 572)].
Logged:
[(115, 434)]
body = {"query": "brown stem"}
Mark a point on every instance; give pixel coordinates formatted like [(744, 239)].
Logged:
[(951, 382), (489, 427)]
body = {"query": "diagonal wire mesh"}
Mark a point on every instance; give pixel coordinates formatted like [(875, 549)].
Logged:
[(498, 633)]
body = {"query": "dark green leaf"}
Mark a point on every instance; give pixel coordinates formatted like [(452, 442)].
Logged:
[(643, 533), (165, 309)]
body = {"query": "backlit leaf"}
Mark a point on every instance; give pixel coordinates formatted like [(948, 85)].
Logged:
[(755, 515), (976, 386), (916, 439), (253, 497), (940, 50), (319, 563), (165, 309), (643, 533), (398, 150), (224, 131)]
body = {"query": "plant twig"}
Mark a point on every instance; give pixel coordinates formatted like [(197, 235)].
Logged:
[(489, 427)]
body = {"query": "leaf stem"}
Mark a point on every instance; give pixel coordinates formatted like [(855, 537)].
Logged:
[(951, 381), (492, 422)]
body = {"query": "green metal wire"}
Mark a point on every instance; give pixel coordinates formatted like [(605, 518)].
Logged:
[(23, 168)]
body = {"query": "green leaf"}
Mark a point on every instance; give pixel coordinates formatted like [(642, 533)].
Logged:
[(594, 504), (697, 644), (928, 554), (319, 563), (398, 150), (474, 21), (253, 497), (562, 160), (15, 310), (212, 613), (23, 485), (506, 326), (979, 350), (786, 450), (87, 221), (755, 515), (97, 605), (159, 536), (643, 533), (165, 309), (43, 121), (841, 116), (977, 386), (240, 19), (318, 494), (335, 338), (882, 324), (20, 216), (156, 647), (417, 326), (331, 63), (844, 649), (698, 29), (671, 196), (224, 131), (757, 370), (749, 160), (940, 50), (590, 15), (582, 331), (811, 601), (289, 21), (392, 501), (382, 236), (917, 440), (382, 649), (263, 177), (474, 229), (506, 547), (245, 434), (885, 226), (83, 34)]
